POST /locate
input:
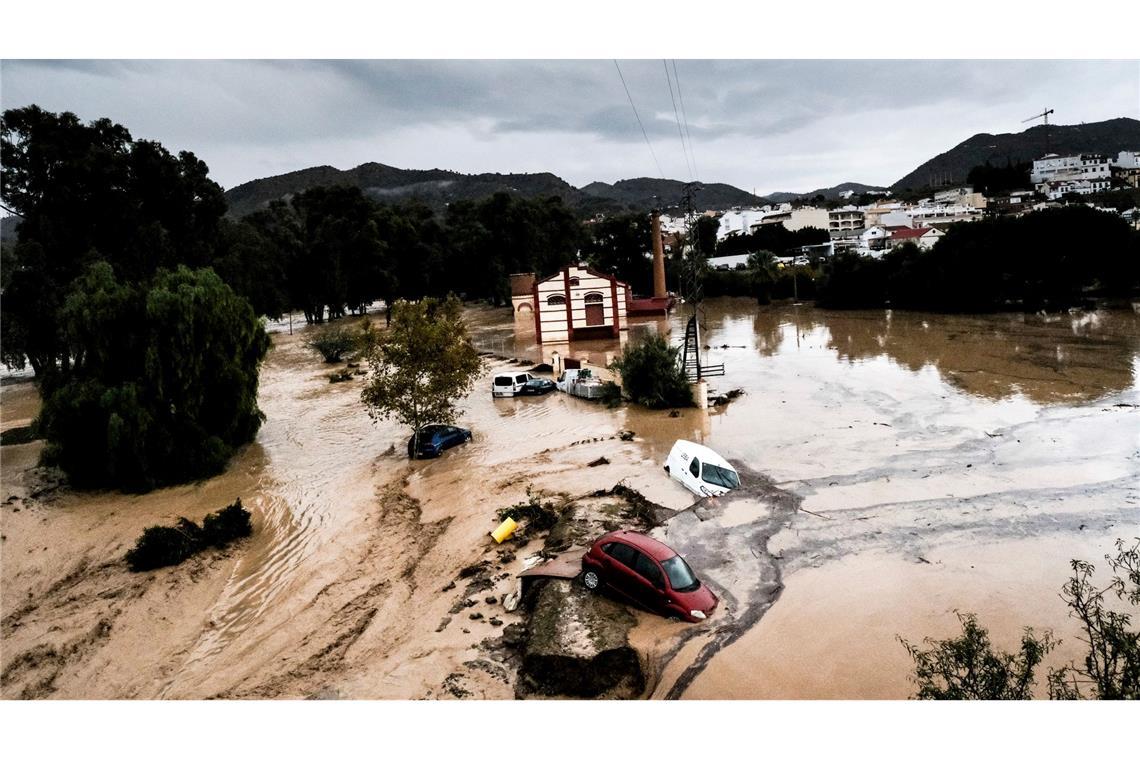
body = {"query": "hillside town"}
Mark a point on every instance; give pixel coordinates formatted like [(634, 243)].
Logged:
[(883, 222)]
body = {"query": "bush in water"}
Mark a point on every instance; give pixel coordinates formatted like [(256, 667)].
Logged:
[(160, 546), (652, 376), (333, 343)]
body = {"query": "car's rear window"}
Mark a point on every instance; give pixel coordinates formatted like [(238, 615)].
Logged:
[(503, 381), (681, 576)]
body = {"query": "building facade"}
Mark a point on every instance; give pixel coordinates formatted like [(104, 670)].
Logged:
[(843, 221), (578, 303)]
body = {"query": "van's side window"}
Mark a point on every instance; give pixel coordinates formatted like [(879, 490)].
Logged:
[(695, 467)]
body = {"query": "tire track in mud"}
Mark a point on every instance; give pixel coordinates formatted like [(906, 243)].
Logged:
[(733, 556), (403, 540), (84, 588)]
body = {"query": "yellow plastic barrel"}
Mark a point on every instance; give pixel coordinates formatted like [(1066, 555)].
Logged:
[(504, 531)]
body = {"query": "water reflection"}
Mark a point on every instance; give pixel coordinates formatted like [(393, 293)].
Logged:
[(1045, 358)]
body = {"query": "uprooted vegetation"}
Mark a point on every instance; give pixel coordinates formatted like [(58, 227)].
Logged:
[(162, 546), (533, 515)]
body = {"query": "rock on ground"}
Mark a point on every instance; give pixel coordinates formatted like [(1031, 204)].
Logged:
[(578, 646)]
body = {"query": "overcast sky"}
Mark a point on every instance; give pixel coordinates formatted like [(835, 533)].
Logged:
[(759, 125)]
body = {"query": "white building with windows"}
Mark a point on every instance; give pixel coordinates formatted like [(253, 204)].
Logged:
[(577, 303), (1053, 176), (841, 222)]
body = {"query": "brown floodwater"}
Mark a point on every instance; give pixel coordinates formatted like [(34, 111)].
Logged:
[(940, 462), (901, 466)]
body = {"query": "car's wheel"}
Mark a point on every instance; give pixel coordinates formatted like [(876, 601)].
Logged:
[(591, 580)]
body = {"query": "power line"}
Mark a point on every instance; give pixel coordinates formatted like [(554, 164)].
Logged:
[(685, 118), (677, 118), (636, 116)]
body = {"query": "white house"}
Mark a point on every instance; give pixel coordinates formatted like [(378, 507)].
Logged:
[(923, 237), (1128, 159), (1054, 176), (577, 303)]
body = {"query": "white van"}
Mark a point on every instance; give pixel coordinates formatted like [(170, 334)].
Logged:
[(507, 384), (700, 469)]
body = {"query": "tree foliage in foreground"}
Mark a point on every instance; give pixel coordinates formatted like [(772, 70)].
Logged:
[(1111, 666), (651, 375), (422, 365), (968, 667), (163, 382)]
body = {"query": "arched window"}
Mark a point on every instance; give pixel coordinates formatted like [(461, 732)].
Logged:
[(574, 282), (594, 298), (556, 300), (524, 306)]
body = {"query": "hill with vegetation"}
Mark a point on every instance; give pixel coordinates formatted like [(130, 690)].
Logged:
[(828, 193), (952, 167), (647, 192), (439, 188), (435, 187)]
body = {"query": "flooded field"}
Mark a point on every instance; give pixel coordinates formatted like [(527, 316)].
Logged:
[(901, 466)]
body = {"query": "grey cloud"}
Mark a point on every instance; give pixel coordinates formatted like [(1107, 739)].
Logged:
[(296, 113)]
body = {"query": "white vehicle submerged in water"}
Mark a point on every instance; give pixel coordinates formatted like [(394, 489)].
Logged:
[(582, 383), (507, 384), (700, 469)]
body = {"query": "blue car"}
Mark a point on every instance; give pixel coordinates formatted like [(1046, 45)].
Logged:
[(435, 438)]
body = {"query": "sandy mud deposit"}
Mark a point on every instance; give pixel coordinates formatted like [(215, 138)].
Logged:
[(896, 467)]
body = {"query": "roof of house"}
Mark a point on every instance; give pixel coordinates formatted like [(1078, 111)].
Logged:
[(583, 268), (907, 233)]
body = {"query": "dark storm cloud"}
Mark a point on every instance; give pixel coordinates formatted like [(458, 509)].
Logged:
[(798, 123)]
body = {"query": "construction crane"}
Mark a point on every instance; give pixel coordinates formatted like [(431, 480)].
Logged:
[(1043, 115)]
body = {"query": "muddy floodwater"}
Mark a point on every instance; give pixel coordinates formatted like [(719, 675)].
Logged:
[(897, 467)]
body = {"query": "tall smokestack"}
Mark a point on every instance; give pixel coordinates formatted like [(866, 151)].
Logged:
[(658, 257)]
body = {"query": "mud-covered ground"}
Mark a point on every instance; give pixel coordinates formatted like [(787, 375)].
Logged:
[(897, 467)]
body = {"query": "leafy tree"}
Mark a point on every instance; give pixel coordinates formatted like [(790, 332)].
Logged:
[(997, 180), (762, 274), (1052, 259), (254, 264), (422, 365), (968, 667), (1111, 667), (163, 382), (494, 237), (707, 228), (622, 246), (651, 374), (333, 342), (89, 192)]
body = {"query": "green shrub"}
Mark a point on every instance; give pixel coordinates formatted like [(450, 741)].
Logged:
[(652, 375), (161, 546), (334, 343), (226, 525)]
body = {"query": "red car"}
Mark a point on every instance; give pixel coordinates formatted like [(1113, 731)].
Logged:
[(648, 573)]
